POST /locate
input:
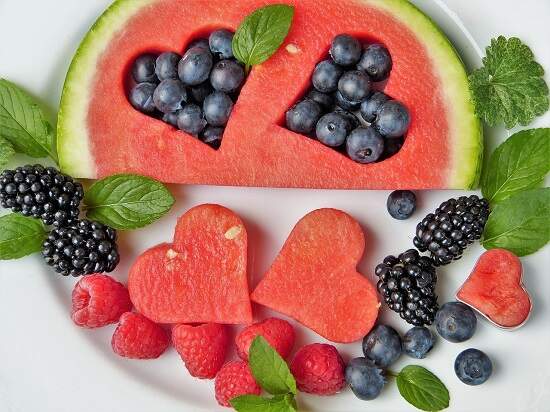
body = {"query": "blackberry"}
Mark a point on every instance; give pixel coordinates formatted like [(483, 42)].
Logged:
[(454, 225), (41, 192), (81, 248), (407, 284)]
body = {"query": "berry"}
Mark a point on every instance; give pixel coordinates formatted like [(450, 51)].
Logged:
[(326, 75), (170, 96), (346, 104), (141, 97), (345, 50), (81, 248), (201, 92), (318, 369), (303, 116), (455, 322), (364, 378), (136, 337), (191, 120), (393, 119), (364, 145), (217, 108), (227, 76), (332, 129), (382, 346), (201, 43), (473, 367), (371, 106), (455, 224), (235, 379), (401, 204), (407, 285), (376, 62), (418, 341), (220, 43), (354, 86), (166, 66), (352, 119), (277, 332), (195, 66), (41, 192), (143, 69), (212, 136), (326, 101), (203, 348), (171, 118)]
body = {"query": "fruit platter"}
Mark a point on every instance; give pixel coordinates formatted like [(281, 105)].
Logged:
[(274, 206)]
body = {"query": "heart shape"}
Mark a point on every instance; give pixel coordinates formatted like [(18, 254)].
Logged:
[(495, 289), (315, 281), (201, 276)]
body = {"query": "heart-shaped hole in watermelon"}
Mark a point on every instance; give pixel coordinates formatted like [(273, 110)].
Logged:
[(194, 92)]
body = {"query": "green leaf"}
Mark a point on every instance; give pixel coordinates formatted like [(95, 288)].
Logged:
[(253, 403), (510, 87), (6, 152), (269, 369), (23, 123), (127, 201), (518, 164), (422, 389), (20, 236), (262, 33), (520, 223)]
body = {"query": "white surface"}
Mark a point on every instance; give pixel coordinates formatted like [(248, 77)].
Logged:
[(48, 364)]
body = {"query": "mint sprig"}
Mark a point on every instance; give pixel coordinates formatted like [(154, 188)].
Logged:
[(253, 403), (422, 389), (20, 236)]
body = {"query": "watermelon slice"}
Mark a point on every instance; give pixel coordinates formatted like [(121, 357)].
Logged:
[(99, 133)]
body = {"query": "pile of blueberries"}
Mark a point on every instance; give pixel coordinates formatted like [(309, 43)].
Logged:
[(194, 93), (343, 110)]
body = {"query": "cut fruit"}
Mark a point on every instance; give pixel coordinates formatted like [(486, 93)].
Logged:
[(443, 146), (495, 289), (199, 278), (315, 281)]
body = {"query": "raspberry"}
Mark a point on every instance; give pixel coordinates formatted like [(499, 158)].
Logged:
[(137, 337), (235, 379), (99, 300), (203, 348), (277, 332), (318, 369)]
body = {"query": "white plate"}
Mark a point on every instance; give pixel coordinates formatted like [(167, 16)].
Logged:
[(48, 364)]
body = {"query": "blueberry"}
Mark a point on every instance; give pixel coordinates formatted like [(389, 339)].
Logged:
[(170, 96), (212, 136), (473, 367), (227, 76), (194, 68), (418, 341), (345, 50), (199, 92), (354, 86), (191, 119), (376, 62), (303, 116), (167, 65), (364, 145), (392, 145), (220, 43), (171, 118), (326, 75), (382, 345), (332, 129), (143, 69), (393, 119), (326, 101), (217, 108), (141, 97), (352, 119), (455, 322), (202, 43), (344, 103), (371, 106), (364, 378), (401, 204)]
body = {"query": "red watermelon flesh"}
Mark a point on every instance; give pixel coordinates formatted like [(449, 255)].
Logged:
[(101, 134)]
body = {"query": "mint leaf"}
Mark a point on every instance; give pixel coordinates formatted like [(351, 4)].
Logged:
[(6, 152), (520, 223), (23, 124), (253, 403), (509, 88), (518, 164), (422, 389), (20, 236), (262, 33), (127, 201), (269, 369)]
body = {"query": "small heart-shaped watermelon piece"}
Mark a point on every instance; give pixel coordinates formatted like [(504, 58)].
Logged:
[(315, 281), (201, 277), (495, 289)]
